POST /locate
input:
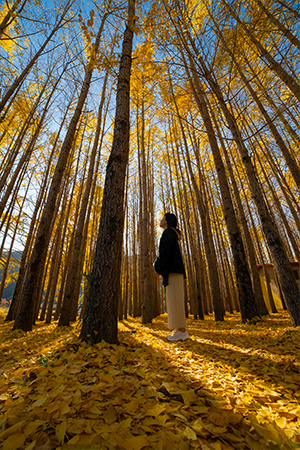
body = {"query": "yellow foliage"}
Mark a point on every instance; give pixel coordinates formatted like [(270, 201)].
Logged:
[(6, 42), (232, 386)]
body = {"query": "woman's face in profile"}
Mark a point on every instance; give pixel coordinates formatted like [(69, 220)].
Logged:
[(163, 222)]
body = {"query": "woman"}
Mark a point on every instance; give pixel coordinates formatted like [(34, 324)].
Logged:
[(169, 264)]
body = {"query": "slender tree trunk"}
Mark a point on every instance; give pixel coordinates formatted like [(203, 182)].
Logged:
[(19, 80), (57, 264), (28, 299), (70, 293), (6, 266), (27, 153), (285, 77), (126, 259), (291, 162), (63, 279), (11, 14), (285, 31), (148, 305), (246, 295), (284, 272), (53, 254), (135, 311)]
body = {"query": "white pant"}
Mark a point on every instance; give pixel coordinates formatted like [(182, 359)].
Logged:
[(175, 301)]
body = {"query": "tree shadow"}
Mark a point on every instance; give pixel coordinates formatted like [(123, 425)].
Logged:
[(226, 381), (263, 361), (121, 395)]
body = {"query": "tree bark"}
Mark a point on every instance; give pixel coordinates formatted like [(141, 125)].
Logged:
[(148, 303), (100, 320), (246, 295), (28, 299), (70, 295)]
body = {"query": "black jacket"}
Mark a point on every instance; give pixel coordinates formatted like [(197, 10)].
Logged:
[(169, 259)]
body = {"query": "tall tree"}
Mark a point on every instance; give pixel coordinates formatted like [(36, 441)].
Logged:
[(71, 294), (62, 20), (100, 320), (29, 294)]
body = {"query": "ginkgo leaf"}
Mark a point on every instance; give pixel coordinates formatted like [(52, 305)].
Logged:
[(223, 406), (110, 415), (281, 422), (54, 406), (158, 409), (189, 397), (135, 443), (190, 434), (64, 409), (60, 431), (31, 446), (31, 427), (14, 442), (12, 430), (39, 402)]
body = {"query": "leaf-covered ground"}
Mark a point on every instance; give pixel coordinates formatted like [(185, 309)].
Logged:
[(232, 386)]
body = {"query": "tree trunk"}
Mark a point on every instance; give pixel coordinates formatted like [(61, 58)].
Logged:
[(28, 299), (286, 32), (29, 150), (6, 266), (284, 272), (135, 311), (19, 80), (148, 299), (53, 255), (287, 79), (70, 293), (246, 295), (100, 320)]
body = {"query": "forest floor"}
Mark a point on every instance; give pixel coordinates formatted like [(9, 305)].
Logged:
[(232, 386)]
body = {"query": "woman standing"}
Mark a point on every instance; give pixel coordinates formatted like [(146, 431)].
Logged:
[(169, 264)]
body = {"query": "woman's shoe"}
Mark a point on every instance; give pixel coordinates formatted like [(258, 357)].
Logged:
[(178, 335)]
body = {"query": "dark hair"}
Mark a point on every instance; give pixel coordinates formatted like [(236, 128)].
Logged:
[(171, 220)]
